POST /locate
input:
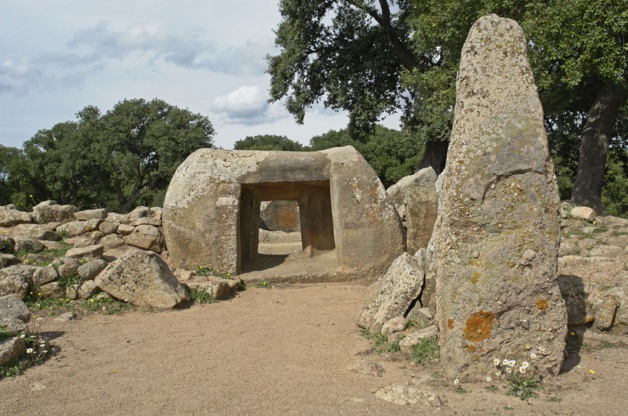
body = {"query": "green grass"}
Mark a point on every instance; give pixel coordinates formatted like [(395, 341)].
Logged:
[(380, 341), (263, 285), (12, 369), (67, 281), (103, 303), (4, 334), (45, 257), (208, 271), (522, 386), (201, 296), (426, 350)]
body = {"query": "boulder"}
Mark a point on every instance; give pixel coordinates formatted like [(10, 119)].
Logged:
[(52, 291), (91, 214), (15, 280), (142, 279), (146, 237), (499, 204), (90, 270), (415, 196), (108, 228), (45, 275), (28, 244), (125, 229), (583, 213), (219, 288), (72, 229), (10, 217), (415, 336), (50, 211), (87, 289), (397, 324), (36, 231), (14, 314), (393, 294), (67, 266), (7, 260), (280, 216), (86, 253), (11, 349)]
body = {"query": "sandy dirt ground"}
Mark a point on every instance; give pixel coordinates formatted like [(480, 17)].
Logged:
[(279, 351)]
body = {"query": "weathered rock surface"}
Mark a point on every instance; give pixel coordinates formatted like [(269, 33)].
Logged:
[(86, 253), (73, 228), (416, 201), (14, 314), (91, 214), (36, 231), (146, 237), (90, 270), (499, 199), (14, 280), (414, 336), (11, 349), (211, 209), (10, 217), (44, 275), (142, 279), (393, 294), (50, 211), (583, 213), (280, 216), (7, 260), (28, 244)]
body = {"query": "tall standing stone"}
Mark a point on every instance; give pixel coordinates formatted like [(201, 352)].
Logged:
[(497, 234)]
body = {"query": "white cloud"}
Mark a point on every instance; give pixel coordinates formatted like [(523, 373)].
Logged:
[(247, 105)]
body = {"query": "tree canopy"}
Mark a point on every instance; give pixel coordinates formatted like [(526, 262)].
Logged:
[(372, 57), (114, 160), (268, 142)]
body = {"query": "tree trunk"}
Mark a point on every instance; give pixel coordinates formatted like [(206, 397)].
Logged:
[(594, 141), (434, 156)]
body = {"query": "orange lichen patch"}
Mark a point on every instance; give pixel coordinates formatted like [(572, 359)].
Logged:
[(475, 277), (479, 326), (542, 304), (471, 348), (450, 323)]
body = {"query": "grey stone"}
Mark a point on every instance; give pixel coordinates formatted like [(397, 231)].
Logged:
[(90, 270), (604, 305), (92, 225), (111, 241), (87, 289), (45, 275), (583, 213), (280, 216), (218, 287), (142, 279), (51, 291), (66, 317), (422, 317), (50, 211), (107, 227), (499, 198), (86, 239), (146, 237), (71, 292), (91, 214), (393, 325), (211, 208), (14, 280), (11, 349), (116, 218), (394, 293), (73, 228), (415, 196), (414, 336), (14, 314), (11, 217), (7, 260), (36, 231), (67, 266), (86, 253), (125, 229), (28, 244)]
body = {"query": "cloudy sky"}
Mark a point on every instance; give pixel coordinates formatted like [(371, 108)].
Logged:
[(56, 57)]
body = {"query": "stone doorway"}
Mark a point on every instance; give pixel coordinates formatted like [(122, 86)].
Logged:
[(315, 220)]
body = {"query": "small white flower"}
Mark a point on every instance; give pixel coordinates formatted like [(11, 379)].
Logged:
[(528, 346), (541, 350), (525, 364), (29, 351), (498, 373), (522, 370), (456, 382), (508, 370), (533, 356), (512, 363), (22, 336), (44, 351), (496, 361), (505, 361), (488, 379)]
